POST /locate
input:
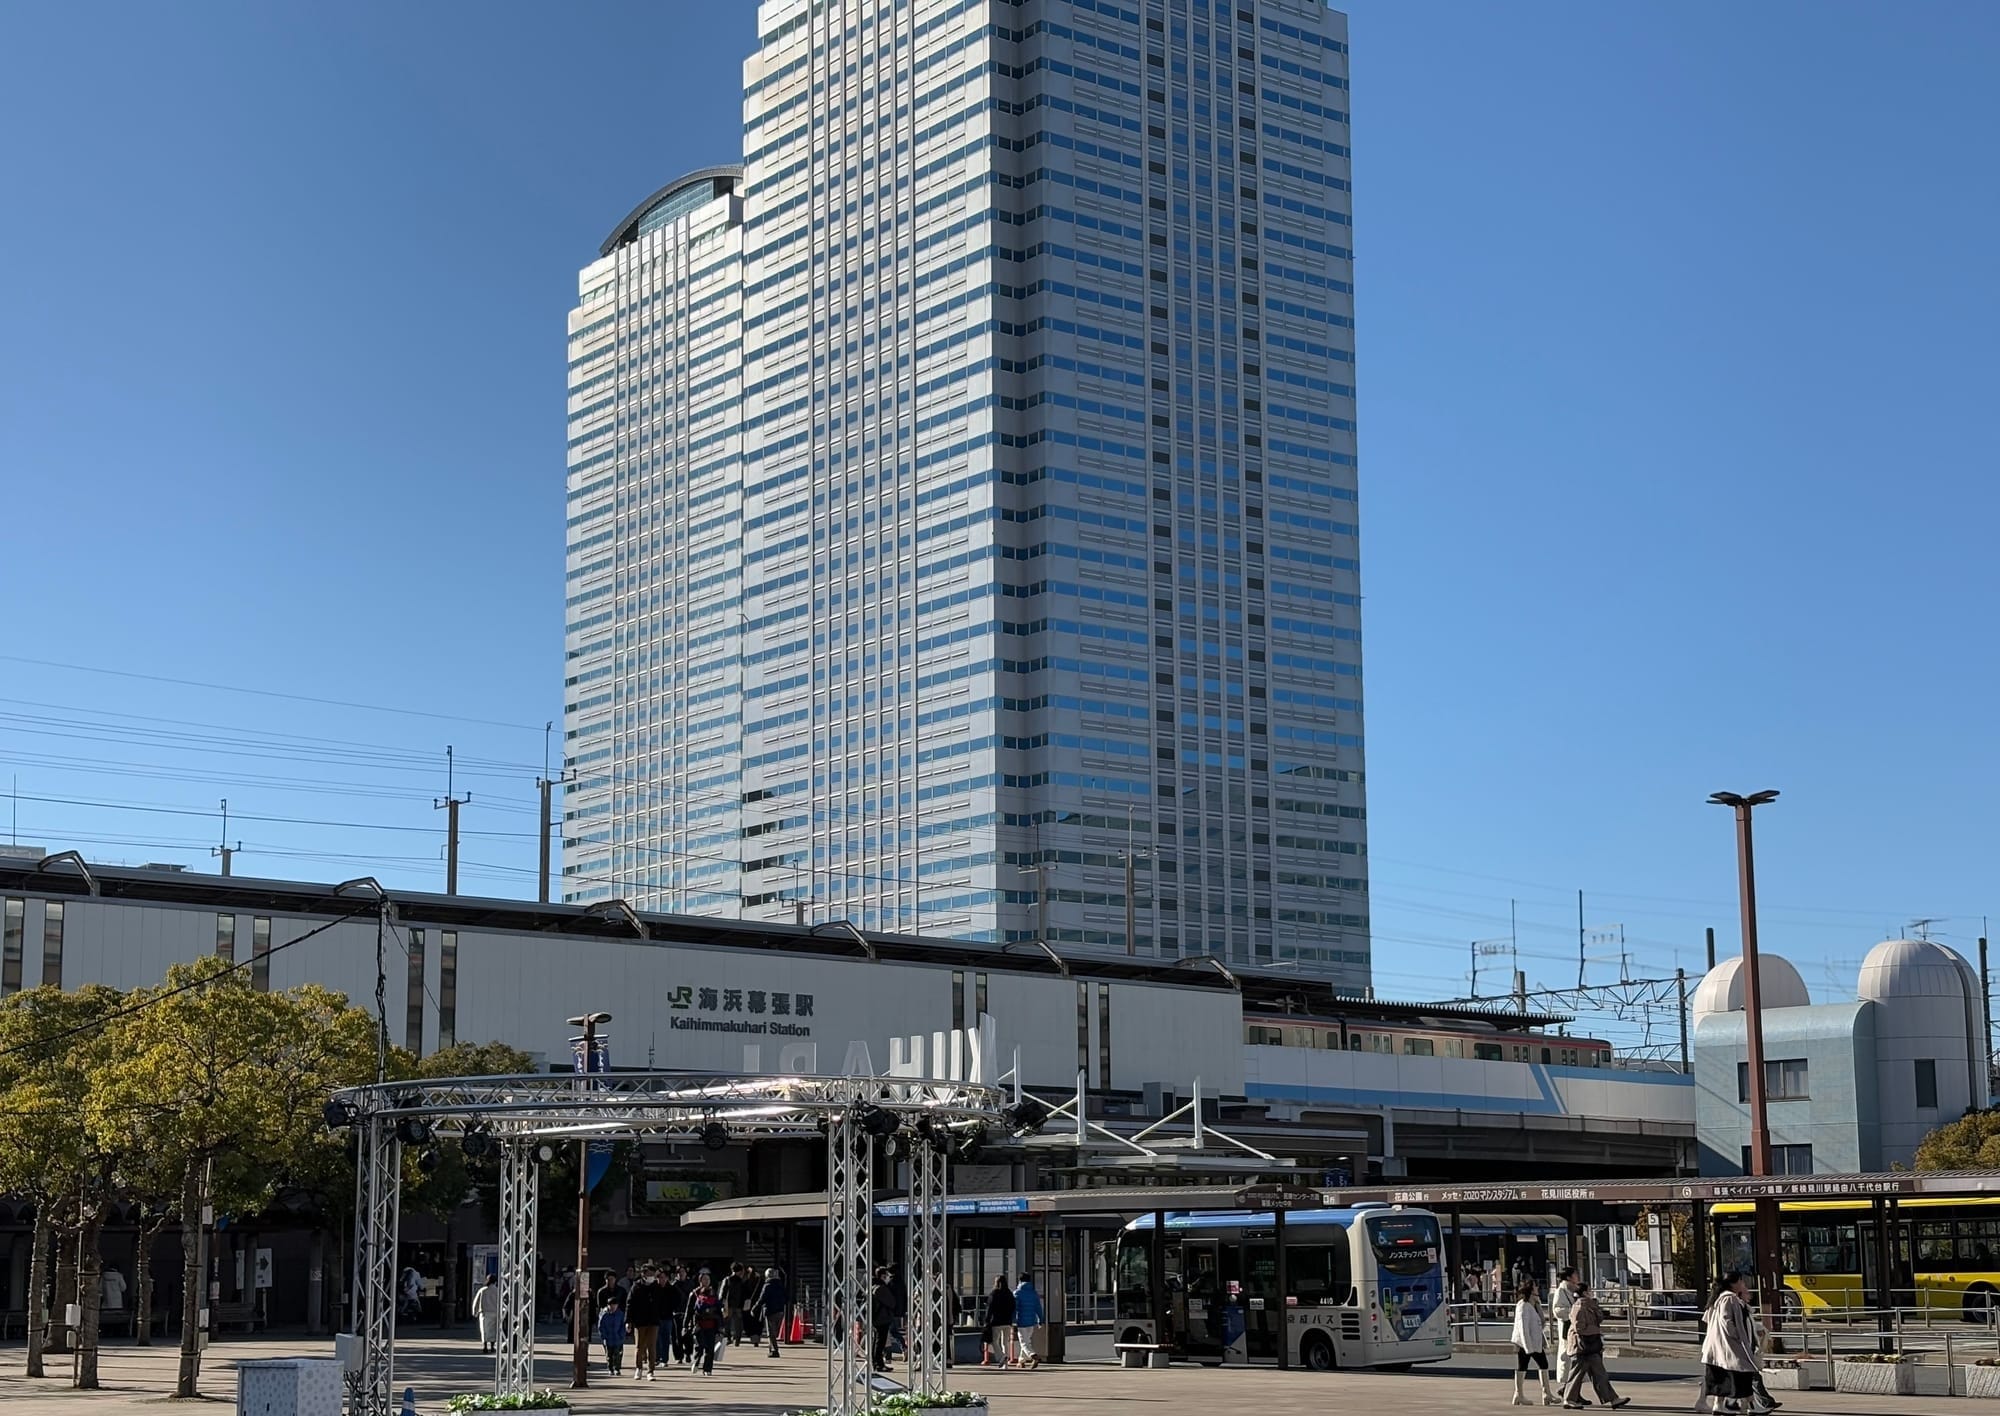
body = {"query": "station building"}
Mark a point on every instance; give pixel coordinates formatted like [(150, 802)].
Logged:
[(1308, 1084)]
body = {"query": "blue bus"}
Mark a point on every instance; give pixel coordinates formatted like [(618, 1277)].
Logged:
[(1365, 1287)]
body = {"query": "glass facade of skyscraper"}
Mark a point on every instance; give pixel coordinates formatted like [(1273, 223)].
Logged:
[(962, 510)]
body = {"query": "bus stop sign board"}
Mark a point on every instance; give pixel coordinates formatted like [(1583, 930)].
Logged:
[(1279, 1197)]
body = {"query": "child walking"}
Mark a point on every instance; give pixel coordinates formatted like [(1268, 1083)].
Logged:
[(611, 1332)]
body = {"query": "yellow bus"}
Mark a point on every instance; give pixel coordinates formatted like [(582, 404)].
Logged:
[(1948, 1249)]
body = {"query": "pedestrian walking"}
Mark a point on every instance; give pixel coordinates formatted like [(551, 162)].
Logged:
[(881, 1319), (772, 1300), (486, 1308), (611, 1331), (1530, 1338), (704, 1321), (643, 1316), (732, 1297), (1728, 1349), (1562, 1302), (1027, 1320), (673, 1330), (1586, 1350), (999, 1323)]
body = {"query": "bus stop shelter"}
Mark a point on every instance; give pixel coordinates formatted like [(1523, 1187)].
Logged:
[(1460, 1208)]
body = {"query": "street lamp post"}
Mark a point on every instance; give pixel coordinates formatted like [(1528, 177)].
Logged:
[(581, 1304), (1769, 1261)]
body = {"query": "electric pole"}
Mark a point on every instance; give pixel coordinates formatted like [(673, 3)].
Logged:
[(1040, 870), (225, 850), (542, 876), (1131, 855), (451, 804)]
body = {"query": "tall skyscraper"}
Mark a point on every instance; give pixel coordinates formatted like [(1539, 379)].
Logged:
[(962, 491)]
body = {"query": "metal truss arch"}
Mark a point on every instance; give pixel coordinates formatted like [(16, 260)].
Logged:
[(520, 1113)]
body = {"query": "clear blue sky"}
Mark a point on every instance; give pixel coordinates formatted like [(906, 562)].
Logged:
[(1675, 322)]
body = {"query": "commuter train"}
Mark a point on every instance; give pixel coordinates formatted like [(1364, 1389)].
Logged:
[(1412, 1033)]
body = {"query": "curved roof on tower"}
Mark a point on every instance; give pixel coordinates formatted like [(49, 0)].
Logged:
[(1778, 986), (1913, 968), (714, 179)]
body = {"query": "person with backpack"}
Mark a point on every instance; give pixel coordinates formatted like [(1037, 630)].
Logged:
[(704, 1321)]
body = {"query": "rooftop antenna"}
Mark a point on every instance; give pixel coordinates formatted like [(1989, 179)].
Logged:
[(1921, 928), (225, 850)]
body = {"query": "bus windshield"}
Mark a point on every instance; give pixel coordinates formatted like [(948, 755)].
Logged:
[(1404, 1244)]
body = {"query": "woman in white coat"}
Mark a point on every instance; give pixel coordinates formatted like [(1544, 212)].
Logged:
[(1530, 1338), (1729, 1351), (486, 1308)]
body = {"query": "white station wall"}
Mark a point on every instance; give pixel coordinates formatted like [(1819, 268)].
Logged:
[(672, 1003)]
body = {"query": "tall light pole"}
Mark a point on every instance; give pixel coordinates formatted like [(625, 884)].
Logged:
[(580, 1306), (1769, 1261)]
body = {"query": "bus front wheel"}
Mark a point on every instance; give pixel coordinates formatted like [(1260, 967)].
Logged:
[(1317, 1353), (1979, 1302)]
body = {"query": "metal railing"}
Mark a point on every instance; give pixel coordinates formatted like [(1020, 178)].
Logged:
[(1643, 1318)]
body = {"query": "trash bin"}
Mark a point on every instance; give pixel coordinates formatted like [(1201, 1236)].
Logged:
[(289, 1386)]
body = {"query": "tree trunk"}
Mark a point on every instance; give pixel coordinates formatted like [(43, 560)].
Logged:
[(194, 1281), (65, 1236), (142, 1280), (89, 1267), (38, 1285)]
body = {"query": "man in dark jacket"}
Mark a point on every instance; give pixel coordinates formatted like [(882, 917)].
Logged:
[(772, 1300), (882, 1317), (1000, 1321), (735, 1295), (673, 1304), (643, 1311)]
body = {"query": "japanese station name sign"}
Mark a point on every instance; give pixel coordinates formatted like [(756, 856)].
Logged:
[(1279, 1198), (1860, 1187)]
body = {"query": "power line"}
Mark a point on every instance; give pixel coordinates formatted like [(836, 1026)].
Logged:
[(271, 693)]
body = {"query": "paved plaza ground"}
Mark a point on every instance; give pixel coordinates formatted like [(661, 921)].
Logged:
[(746, 1383)]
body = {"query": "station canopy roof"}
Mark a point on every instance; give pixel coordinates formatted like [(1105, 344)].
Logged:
[(1513, 1201)]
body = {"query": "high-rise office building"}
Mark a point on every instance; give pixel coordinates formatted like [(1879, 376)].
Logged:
[(962, 491)]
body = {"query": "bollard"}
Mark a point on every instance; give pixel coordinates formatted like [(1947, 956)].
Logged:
[(409, 1402)]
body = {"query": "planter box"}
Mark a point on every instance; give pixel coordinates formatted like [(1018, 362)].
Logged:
[(1875, 1378), (1970, 1380), (1808, 1375), (1931, 1380)]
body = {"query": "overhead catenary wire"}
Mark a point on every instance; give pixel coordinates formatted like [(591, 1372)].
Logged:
[(270, 693)]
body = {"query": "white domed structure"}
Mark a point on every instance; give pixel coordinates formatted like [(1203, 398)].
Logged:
[(1928, 1028), (1778, 986)]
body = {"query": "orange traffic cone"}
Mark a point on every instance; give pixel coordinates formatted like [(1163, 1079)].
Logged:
[(798, 1330)]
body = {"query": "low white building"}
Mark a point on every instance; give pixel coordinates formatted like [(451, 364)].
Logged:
[(685, 993)]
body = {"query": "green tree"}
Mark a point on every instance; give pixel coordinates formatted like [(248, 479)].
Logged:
[(443, 1190), (50, 1050), (224, 1085), (1970, 1143)]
